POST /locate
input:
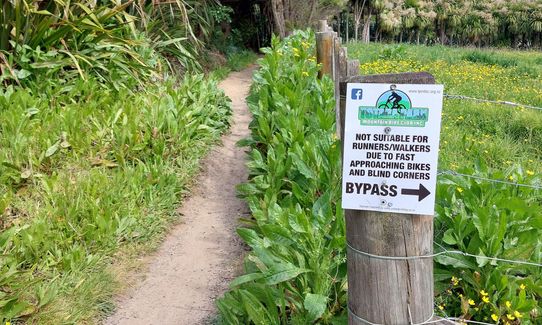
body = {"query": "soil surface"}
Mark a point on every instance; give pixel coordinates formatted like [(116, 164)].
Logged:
[(202, 254)]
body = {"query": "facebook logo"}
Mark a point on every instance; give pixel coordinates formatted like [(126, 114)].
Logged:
[(357, 93)]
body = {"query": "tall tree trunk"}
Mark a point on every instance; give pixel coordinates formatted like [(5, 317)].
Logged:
[(314, 4), (365, 35), (442, 30), (339, 24), (347, 23), (277, 6), (356, 30)]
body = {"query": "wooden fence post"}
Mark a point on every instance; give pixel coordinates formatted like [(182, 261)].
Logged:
[(353, 68), (324, 50), (380, 290)]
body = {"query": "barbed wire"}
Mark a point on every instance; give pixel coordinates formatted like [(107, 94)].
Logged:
[(492, 180), (501, 102)]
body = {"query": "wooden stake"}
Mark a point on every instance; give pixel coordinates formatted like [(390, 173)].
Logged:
[(324, 53), (322, 25), (384, 291), (353, 68)]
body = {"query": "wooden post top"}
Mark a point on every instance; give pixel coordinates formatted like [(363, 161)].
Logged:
[(404, 78)]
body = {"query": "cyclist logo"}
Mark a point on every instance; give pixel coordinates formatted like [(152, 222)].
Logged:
[(393, 108), (393, 99)]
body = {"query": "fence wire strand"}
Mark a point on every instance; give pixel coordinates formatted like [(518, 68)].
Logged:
[(501, 102), (444, 252), (481, 178), (431, 320)]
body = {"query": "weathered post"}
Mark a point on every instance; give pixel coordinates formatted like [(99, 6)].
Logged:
[(352, 68), (324, 49), (385, 286)]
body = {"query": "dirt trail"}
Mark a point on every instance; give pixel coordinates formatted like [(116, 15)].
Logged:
[(201, 255)]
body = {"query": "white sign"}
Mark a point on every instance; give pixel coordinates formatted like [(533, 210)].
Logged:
[(391, 143)]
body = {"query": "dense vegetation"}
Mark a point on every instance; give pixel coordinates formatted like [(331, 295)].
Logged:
[(487, 140), (295, 273), (100, 137), (516, 23), (296, 270)]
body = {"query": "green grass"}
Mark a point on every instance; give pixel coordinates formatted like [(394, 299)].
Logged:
[(500, 136), (86, 171)]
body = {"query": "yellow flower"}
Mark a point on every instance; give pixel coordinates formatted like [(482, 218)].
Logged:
[(530, 173), (485, 299), (455, 281), (522, 286), (441, 307), (471, 302), (508, 304), (460, 190), (494, 317), (511, 177), (483, 293), (518, 314), (8, 322), (510, 317), (305, 73)]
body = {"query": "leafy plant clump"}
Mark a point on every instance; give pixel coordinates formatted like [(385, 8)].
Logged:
[(84, 171), (121, 44), (490, 220), (295, 272)]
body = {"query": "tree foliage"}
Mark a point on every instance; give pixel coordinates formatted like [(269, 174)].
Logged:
[(516, 23)]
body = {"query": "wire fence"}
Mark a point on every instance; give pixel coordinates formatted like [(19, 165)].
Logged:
[(491, 180), (500, 102), (444, 251)]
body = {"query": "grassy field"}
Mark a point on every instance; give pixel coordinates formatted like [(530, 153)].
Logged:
[(498, 136)]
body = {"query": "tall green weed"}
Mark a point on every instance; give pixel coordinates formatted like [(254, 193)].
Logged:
[(295, 272)]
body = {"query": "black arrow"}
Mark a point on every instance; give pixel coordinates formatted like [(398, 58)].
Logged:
[(422, 192)]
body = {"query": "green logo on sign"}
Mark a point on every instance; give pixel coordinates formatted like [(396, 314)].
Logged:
[(393, 108)]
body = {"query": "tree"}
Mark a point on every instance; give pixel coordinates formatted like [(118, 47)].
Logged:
[(291, 14)]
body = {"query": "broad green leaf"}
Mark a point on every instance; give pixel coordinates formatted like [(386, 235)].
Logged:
[(256, 311), (246, 278), (315, 304), (281, 272), (52, 149), (455, 260)]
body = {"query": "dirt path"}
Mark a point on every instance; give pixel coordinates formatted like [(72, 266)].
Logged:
[(202, 254)]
